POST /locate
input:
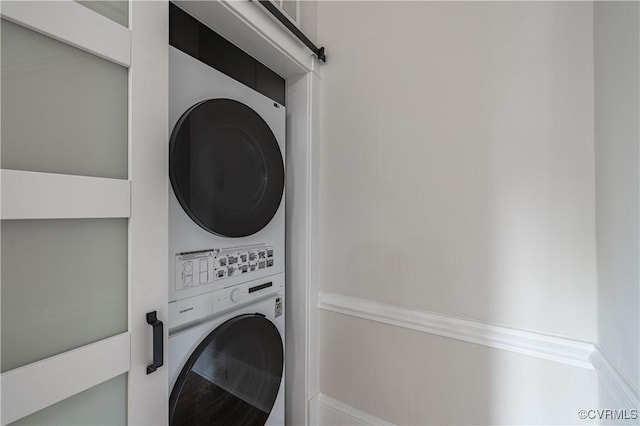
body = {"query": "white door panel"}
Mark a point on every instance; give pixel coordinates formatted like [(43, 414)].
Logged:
[(83, 148)]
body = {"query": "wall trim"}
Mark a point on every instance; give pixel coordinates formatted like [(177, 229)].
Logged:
[(623, 393), (333, 412), (254, 31), (539, 345)]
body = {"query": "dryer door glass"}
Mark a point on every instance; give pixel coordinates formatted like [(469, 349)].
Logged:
[(226, 167), (233, 376)]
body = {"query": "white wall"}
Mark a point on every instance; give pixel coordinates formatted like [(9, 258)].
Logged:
[(617, 136), (410, 378), (457, 160), (457, 176), (309, 19)]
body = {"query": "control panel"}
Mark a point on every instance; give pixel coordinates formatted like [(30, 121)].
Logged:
[(207, 266), (191, 309)]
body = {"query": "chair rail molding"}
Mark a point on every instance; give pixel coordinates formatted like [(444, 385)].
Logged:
[(333, 412), (623, 393), (539, 345)]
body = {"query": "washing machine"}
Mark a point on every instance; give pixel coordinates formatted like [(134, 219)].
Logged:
[(226, 356), (226, 166)]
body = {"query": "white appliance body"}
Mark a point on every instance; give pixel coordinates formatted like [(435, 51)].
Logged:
[(193, 320), (201, 261)]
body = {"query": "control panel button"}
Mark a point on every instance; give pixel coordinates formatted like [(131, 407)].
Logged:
[(269, 263)]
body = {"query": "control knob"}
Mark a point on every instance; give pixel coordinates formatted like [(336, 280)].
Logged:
[(235, 295)]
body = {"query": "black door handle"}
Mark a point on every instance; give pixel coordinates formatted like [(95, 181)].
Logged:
[(158, 338)]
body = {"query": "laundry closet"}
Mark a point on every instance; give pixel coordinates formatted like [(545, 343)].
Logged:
[(206, 204), (162, 206)]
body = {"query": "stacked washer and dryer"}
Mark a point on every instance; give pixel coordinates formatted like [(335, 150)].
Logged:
[(226, 249)]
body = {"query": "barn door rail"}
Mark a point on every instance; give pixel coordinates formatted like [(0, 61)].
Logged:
[(273, 9)]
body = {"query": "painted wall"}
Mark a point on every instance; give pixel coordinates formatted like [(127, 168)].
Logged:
[(617, 136), (411, 378), (309, 19), (457, 176)]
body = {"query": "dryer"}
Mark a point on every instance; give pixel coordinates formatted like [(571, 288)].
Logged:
[(226, 356), (226, 166)]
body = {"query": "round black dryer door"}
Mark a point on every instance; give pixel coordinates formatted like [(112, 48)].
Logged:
[(233, 376), (226, 167)]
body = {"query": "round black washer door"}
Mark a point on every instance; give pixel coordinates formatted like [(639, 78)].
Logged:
[(233, 376), (226, 167)]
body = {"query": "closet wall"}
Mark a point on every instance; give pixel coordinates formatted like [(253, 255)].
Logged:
[(457, 182)]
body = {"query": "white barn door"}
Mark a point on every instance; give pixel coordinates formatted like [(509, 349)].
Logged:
[(84, 187)]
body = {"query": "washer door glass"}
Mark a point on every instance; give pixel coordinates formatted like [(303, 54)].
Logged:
[(233, 376), (226, 167)]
